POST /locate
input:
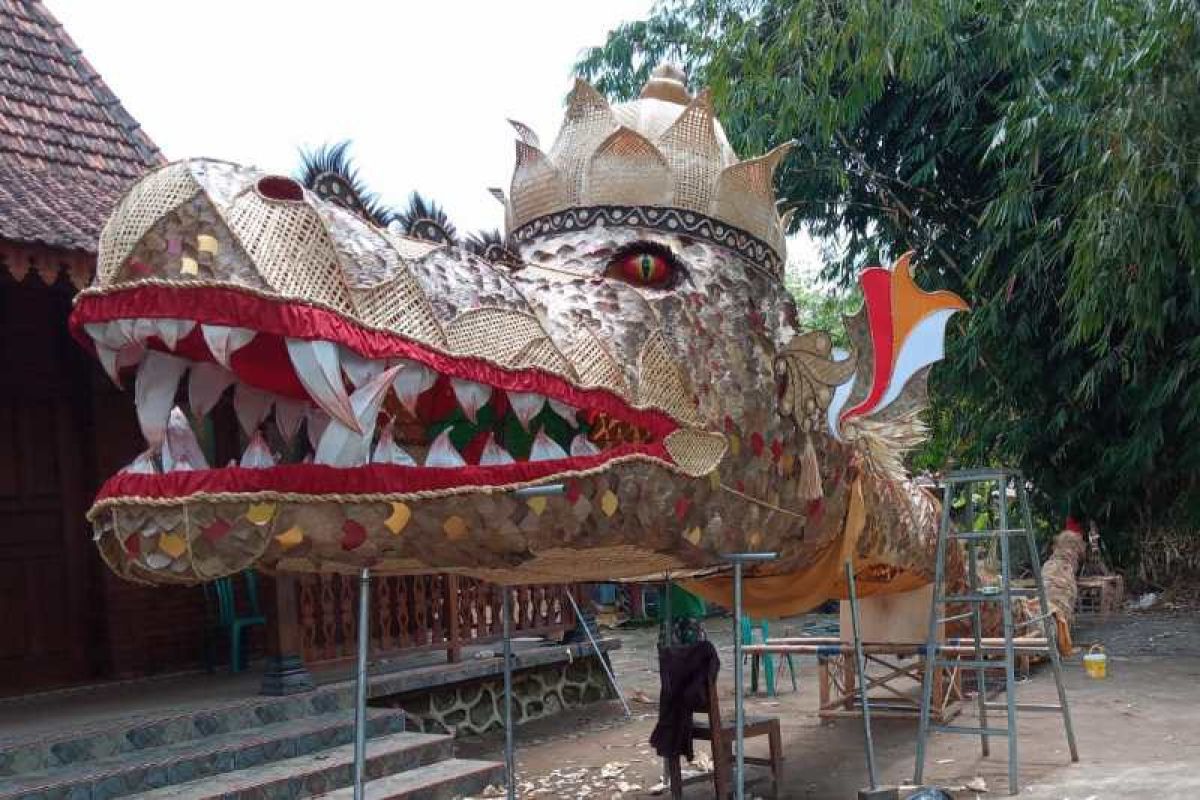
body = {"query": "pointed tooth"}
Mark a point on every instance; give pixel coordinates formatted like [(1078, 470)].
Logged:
[(583, 446), (181, 451), (206, 383), (108, 359), (442, 453), (257, 455), (142, 465), (113, 335), (388, 452), (316, 422), (170, 331), (413, 380), (341, 446), (494, 455), (567, 412), (358, 368), (288, 414), (318, 366), (223, 341), (545, 449), (251, 407), (154, 393), (114, 361), (526, 405), (141, 329), (471, 396)]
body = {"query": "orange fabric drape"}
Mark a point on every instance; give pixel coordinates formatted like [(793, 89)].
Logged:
[(774, 596), (782, 595)]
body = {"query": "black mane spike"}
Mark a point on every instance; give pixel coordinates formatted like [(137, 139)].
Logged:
[(329, 173), (492, 246), (425, 219)]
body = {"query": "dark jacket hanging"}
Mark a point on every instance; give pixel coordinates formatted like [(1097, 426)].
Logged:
[(684, 673)]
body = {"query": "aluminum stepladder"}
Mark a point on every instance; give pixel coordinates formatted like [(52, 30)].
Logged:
[(948, 653)]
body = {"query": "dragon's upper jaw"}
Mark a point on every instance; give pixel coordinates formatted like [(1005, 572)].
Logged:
[(381, 414)]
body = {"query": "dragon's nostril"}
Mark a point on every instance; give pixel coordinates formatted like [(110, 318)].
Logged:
[(276, 187)]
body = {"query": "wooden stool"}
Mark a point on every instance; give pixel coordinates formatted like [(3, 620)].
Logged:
[(721, 736)]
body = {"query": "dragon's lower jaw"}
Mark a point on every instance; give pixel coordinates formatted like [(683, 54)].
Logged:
[(332, 408)]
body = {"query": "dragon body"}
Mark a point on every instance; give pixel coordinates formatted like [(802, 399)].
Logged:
[(397, 397)]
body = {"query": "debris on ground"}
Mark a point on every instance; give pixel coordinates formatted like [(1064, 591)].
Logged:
[(1145, 602), (977, 784)]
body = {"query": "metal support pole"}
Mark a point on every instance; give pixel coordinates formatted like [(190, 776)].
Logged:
[(1010, 659), (360, 687), (668, 641), (509, 761), (860, 664), (931, 642), (739, 713), (600, 655)]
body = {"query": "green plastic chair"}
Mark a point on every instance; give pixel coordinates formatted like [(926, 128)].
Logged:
[(767, 662), (227, 616)]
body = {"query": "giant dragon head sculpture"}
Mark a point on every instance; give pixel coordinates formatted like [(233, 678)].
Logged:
[(638, 348)]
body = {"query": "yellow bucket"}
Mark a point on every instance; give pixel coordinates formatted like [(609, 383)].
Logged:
[(1096, 663)]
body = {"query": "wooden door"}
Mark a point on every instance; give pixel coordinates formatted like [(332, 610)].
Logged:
[(46, 574)]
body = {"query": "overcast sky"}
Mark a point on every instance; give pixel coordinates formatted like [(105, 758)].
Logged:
[(422, 88)]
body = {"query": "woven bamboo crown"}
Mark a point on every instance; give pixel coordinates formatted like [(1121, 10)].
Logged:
[(663, 150)]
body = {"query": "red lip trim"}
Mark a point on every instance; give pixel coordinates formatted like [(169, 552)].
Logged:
[(228, 306), (371, 479)]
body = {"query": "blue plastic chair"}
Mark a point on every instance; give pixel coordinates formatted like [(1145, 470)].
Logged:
[(227, 616), (767, 661)]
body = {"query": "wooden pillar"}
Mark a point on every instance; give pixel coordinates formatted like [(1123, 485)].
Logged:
[(285, 672), (453, 630)]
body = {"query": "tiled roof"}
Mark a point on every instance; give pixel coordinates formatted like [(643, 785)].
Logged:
[(67, 146)]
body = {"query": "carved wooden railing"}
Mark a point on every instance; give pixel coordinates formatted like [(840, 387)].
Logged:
[(414, 613)]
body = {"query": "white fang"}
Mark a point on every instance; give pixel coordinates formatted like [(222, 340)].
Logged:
[(181, 452), (223, 341), (583, 446), (526, 406), (545, 449), (442, 453), (471, 396), (388, 452), (318, 365), (341, 446), (494, 455), (257, 455), (413, 380), (154, 393)]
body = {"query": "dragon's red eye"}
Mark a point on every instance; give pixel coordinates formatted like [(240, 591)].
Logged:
[(642, 268)]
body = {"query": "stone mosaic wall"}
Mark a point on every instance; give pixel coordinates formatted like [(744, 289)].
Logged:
[(478, 706)]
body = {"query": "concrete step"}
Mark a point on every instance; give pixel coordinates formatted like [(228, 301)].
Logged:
[(314, 774), (149, 768), (445, 780), (99, 741)]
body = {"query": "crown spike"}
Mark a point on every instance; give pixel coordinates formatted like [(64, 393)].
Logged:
[(627, 169), (525, 133), (785, 221), (537, 186), (589, 120), (745, 194), (694, 154)]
